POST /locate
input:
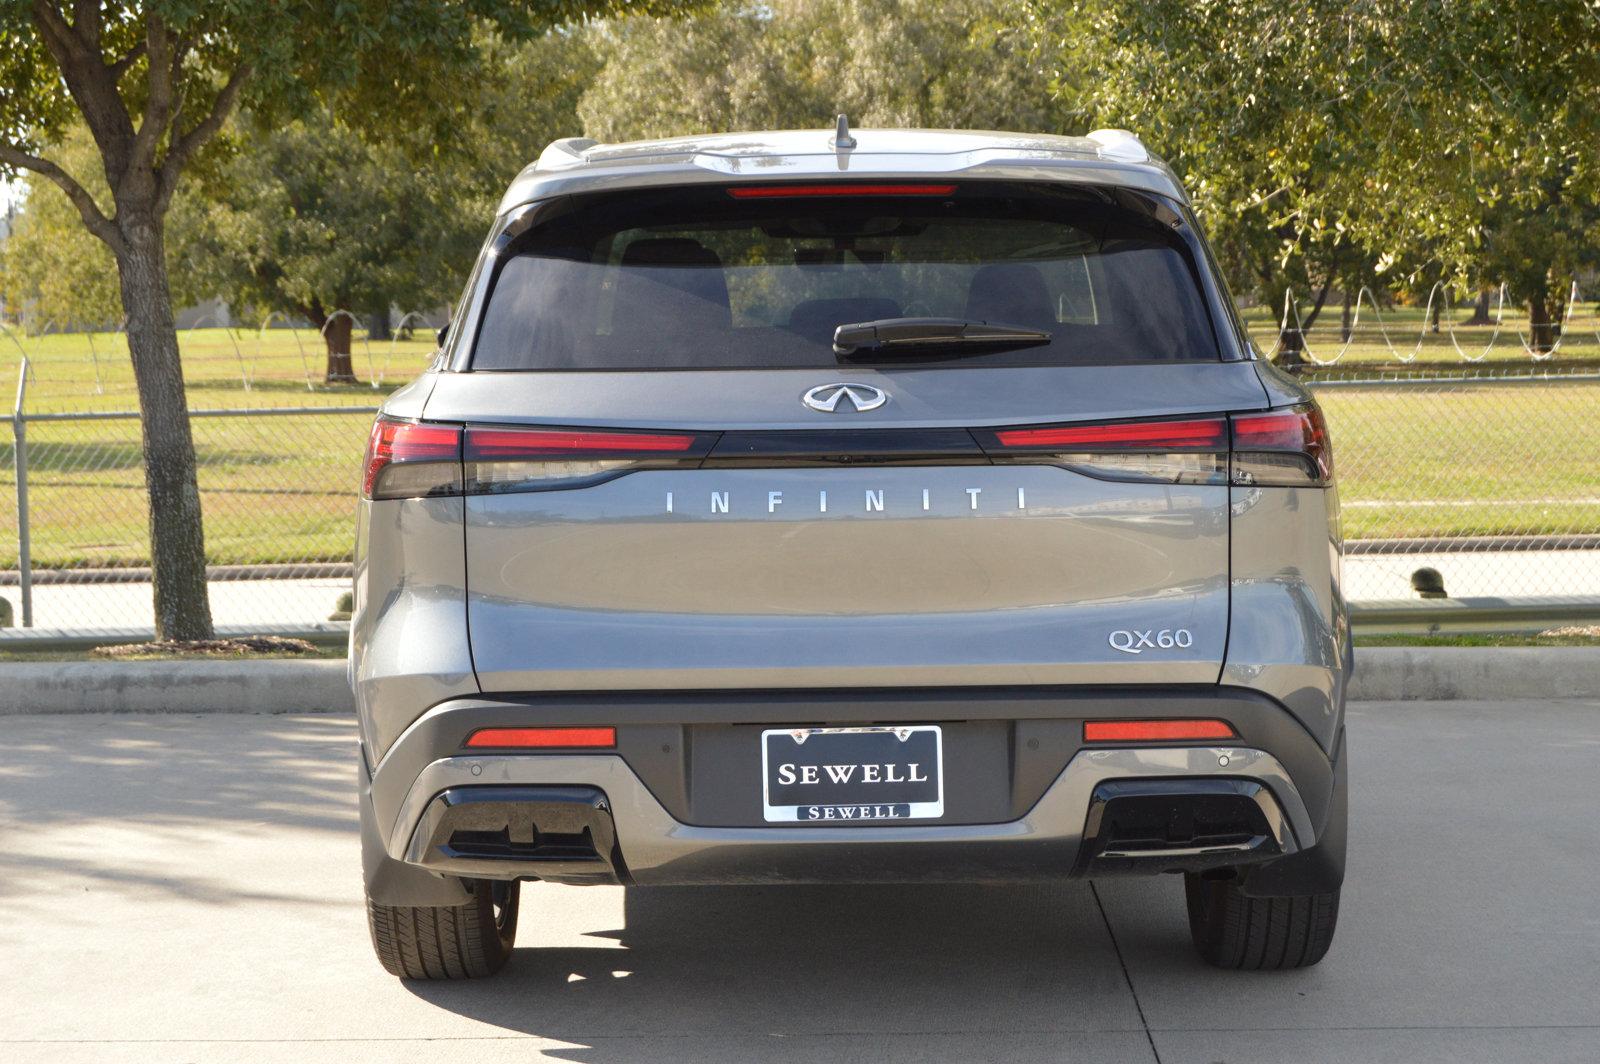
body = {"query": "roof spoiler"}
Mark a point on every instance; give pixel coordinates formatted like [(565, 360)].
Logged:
[(568, 151)]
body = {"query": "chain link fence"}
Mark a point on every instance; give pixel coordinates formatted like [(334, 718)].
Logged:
[(1488, 475), (277, 487)]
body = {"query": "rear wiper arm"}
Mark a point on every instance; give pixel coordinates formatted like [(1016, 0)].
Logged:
[(938, 337)]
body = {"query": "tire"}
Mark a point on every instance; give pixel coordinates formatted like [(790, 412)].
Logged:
[(447, 941), (1233, 930)]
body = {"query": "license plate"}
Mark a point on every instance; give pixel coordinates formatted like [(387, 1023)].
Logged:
[(842, 775)]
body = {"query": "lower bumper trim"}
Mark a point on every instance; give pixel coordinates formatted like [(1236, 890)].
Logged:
[(1045, 843)]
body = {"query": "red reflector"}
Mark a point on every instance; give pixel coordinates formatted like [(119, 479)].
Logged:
[(522, 443), (403, 441), (846, 189), (1127, 731), (1210, 432), (545, 738)]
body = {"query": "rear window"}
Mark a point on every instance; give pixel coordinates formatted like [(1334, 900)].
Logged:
[(704, 279)]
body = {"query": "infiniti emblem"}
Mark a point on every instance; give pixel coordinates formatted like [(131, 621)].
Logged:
[(825, 397)]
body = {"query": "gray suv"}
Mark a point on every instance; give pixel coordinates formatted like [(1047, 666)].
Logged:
[(805, 507)]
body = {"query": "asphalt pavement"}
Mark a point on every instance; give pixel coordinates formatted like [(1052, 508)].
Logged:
[(187, 888)]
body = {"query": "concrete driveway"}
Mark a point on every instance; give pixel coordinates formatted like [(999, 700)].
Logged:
[(188, 889)]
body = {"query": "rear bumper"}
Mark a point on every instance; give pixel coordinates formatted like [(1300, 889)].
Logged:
[(651, 848), (440, 811)]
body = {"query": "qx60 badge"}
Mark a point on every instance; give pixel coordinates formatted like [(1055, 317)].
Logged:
[(825, 398)]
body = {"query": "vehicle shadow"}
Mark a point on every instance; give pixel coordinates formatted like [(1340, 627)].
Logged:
[(751, 973)]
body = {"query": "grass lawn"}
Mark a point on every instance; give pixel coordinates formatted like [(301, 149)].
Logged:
[(1420, 461), (222, 369)]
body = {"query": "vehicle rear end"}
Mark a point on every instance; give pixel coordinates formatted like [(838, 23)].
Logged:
[(662, 581)]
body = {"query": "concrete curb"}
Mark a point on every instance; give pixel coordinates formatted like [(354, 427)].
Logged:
[(1448, 674), (1383, 674), (271, 686)]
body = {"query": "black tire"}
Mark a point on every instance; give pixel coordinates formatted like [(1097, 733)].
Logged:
[(1233, 930), (447, 941)]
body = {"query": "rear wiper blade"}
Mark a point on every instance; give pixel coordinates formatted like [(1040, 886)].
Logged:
[(924, 337)]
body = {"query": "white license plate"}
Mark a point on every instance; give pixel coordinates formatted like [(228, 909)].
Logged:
[(843, 775)]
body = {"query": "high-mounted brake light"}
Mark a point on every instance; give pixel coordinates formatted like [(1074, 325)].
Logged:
[(545, 738), (1200, 434), (492, 444), (1156, 731), (847, 188), (407, 460)]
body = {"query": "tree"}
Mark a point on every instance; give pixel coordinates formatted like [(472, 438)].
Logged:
[(1288, 120), (154, 82), (58, 271), (1313, 136), (797, 63), (311, 220)]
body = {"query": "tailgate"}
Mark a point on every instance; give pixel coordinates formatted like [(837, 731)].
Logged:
[(750, 570)]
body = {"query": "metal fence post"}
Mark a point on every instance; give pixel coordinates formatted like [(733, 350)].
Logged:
[(19, 432)]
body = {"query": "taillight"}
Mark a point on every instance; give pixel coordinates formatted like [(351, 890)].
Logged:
[(1278, 447), (503, 459), (1282, 447), (1186, 451), (836, 189), (407, 460), (1156, 731)]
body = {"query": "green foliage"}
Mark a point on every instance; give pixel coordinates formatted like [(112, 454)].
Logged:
[(797, 63), (52, 269), (309, 218), (1336, 142)]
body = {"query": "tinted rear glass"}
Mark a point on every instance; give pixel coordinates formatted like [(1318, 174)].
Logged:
[(700, 279)]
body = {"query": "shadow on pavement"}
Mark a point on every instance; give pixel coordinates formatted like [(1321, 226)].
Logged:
[(737, 972), (82, 785)]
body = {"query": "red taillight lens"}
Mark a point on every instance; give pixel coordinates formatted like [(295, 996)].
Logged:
[(839, 189), (1186, 451), (545, 738), (1156, 731), (501, 460), (406, 460), (1200, 434), (501, 444), (1282, 447)]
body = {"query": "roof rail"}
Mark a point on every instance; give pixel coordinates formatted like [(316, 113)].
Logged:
[(1121, 145), (568, 151)]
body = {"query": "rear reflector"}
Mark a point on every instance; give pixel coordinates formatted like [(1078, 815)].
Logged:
[(1163, 731), (545, 738), (844, 189), (395, 443), (1199, 434), (502, 444)]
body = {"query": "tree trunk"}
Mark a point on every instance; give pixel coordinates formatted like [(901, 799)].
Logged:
[(378, 322), (1292, 340), (1346, 320), (1435, 310), (177, 538), (1480, 309), (336, 333), (1541, 323)]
